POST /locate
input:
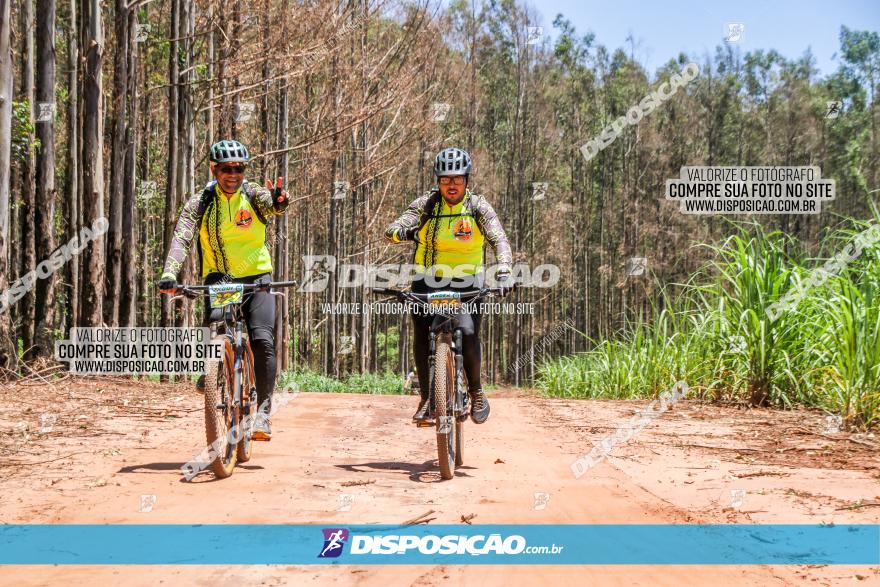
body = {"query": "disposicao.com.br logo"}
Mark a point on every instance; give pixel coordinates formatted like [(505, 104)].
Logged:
[(334, 542), (428, 544)]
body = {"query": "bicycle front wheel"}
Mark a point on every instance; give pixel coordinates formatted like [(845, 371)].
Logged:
[(249, 399), (220, 412), (444, 401), (459, 424)]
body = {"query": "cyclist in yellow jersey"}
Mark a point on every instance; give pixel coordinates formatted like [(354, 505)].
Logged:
[(451, 225), (230, 216)]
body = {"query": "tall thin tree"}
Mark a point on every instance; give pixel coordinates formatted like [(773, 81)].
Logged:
[(7, 348), (93, 163), (46, 194)]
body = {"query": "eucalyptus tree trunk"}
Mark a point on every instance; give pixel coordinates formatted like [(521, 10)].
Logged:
[(74, 164), (46, 193), (7, 346), (24, 183), (117, 162), (93, 163)]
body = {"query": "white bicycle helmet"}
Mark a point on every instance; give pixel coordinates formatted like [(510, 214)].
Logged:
[(452, 162), (229, 152)]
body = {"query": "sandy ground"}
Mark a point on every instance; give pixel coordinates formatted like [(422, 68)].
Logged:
[(86, 451)]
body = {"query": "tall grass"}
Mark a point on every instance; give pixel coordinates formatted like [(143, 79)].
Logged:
[(716, 334), (748, 275), (373, 383)]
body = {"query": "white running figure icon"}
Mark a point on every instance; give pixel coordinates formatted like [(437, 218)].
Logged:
[(335, 539)]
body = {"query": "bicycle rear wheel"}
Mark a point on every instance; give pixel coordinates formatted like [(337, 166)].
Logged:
[(220, 412), (444, 402)]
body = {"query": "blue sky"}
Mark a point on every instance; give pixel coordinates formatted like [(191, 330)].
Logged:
[(664, 29)]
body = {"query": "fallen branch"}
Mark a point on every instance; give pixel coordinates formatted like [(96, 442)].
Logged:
[(856, 506), (761, 474), (848, 438), (719, 447), (423, 519), (353, 483)]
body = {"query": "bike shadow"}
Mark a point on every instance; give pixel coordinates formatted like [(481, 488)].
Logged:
[(203, 476), (427, 472)]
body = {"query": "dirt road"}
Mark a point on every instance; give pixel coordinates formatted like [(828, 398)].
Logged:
[(341, 459)]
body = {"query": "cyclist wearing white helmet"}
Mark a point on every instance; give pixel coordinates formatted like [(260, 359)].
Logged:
[(451, 225), (228, 222)]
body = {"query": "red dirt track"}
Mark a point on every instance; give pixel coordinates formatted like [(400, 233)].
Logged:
[(341, 459)]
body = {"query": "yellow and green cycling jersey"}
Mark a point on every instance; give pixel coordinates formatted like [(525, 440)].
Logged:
[(231, 232), (453, 236)]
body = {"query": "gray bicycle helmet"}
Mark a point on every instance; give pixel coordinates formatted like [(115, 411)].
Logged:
[(229, 152), (452, 162)]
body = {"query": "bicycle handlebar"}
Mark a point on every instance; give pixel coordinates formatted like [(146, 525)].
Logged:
[(247, 286), (423, 297), (191, 291)]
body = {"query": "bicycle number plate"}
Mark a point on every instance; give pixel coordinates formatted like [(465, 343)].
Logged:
[(449, 298), (225, 294)]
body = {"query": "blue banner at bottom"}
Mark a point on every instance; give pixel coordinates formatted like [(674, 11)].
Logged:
[(495, 544)]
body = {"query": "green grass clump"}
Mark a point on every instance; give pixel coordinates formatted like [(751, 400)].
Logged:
[(373, 383), (718, 335)]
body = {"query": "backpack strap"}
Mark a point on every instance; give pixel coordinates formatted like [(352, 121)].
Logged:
[(469, 209), (207, 195), (428, 210), (250, 193)]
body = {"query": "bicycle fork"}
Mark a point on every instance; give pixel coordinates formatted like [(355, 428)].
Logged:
[(432, 410), (461, 399), (460, 407)]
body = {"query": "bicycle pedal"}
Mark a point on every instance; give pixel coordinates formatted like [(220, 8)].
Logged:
[(425, 423)]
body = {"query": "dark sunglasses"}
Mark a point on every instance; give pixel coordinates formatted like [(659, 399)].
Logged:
[(230, 169)]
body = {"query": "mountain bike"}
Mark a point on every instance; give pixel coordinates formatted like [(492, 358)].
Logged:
[(448, 398), (230, 385)]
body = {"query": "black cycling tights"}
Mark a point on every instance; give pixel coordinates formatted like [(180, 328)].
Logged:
[(259, 314), (471, 350)]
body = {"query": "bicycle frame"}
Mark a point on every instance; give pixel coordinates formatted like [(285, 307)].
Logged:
[(447, 328), (445, 325), (232, 323), (237, 368)]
